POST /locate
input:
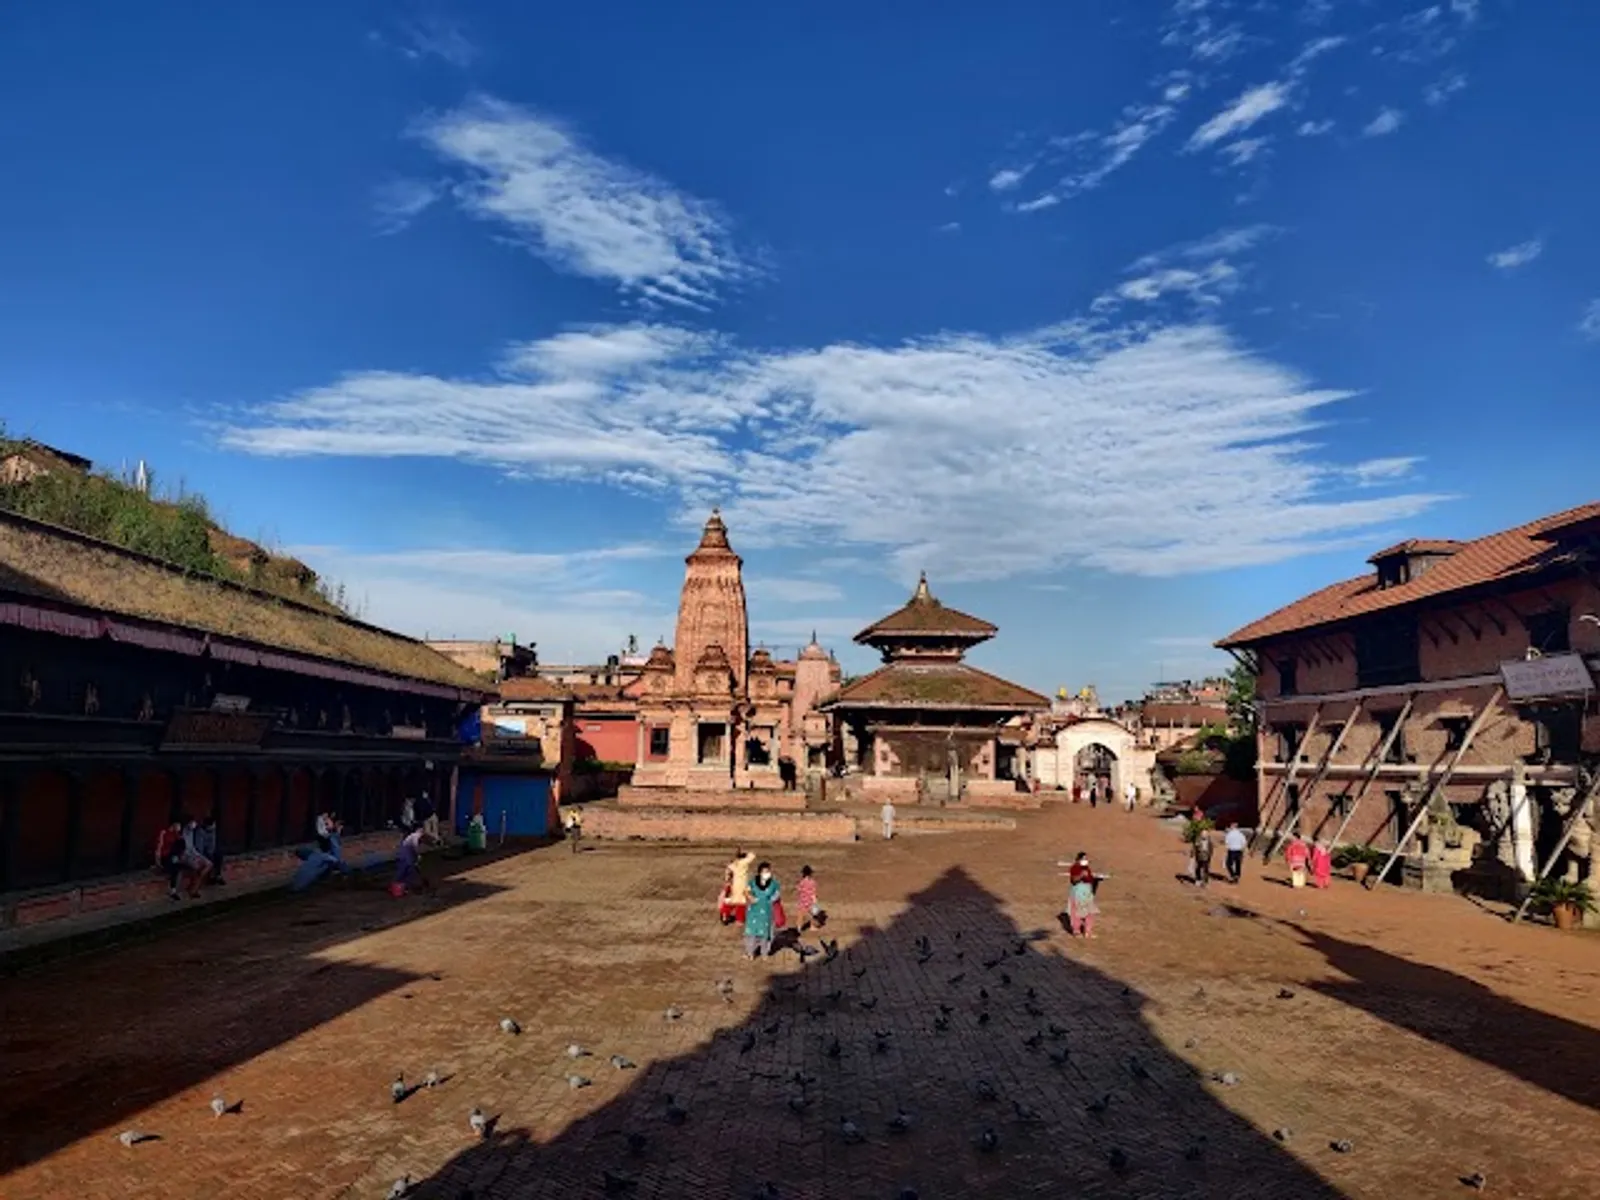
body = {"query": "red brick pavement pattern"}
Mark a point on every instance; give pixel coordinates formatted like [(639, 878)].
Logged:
[(1434, 1037)]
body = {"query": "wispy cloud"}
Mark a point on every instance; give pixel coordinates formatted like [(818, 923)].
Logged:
[(1047, 200), (1206, 285), (950, 227), (1249, 107), (436, 37), (1589, 326), (769, 589), (900, 452), (1379, 471), (1244, 150), (1386, 122), (400, 201), (1314, 128), (584, 213), (1312, 51), (1516, 256), (1138, 125), (1439, 92), (1008, 179)]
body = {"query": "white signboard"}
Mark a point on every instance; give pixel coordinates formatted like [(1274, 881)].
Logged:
[(1555, 675), (511, 726), (414, 733)]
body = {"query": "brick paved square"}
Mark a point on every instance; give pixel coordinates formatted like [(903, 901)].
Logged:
[(1427, 1033)]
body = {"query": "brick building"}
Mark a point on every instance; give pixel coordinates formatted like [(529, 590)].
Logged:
[(131, 691), (1446, 694)]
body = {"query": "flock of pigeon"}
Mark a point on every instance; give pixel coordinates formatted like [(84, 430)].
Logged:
[(1050, 1036)]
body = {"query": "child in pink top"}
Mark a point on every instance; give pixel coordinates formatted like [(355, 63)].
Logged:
[(1321, 864), (806, 894)]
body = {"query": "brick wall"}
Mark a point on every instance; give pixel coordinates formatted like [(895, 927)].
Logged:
[(729, 798), (748, 828), (246, 872)]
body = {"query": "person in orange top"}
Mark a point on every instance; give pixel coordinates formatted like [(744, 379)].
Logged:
[(1297, 856)]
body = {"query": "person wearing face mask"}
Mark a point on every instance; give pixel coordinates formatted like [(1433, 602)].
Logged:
[(1081, 907), (763, 894)]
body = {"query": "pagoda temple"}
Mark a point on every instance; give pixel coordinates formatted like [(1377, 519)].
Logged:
[(926, 723)]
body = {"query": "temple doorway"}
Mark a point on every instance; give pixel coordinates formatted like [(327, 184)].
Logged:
[(1096, 765)]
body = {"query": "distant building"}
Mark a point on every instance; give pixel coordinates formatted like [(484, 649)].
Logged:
[(25, 461), (498, 660)]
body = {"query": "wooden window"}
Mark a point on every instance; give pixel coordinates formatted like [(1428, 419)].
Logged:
[(1288, 683), (1455, 731), (660, 741), (1558, 733), (1397, 748), (713, 737), (1550, 632), (1387, 651), (1289, 738)]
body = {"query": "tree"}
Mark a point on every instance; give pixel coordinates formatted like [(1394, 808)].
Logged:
[(1242, 698)]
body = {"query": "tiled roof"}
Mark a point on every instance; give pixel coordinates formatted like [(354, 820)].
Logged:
[(924, 614), (532, 689), (936, 685), (46, 564), (1499, 557), (1183, 714)]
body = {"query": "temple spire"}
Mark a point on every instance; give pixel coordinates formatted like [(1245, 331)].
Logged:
[(922, 592)]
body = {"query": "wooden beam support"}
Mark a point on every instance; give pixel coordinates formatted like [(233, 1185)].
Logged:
[(1287, 778), (1448, 632), (1428, 633), (1438, 784), (1579, 808), (1291, 824), (1376, 764), (1477, 634), (1499, 625)]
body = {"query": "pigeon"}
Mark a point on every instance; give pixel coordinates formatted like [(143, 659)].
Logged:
[(801, 1078), (830, 950), (507, 1025), (1020, 949), (870, 1003), (132, 1137), (1032, 1009), (946, 1009), (1137, 1068), (850, 1131), (941, 1023), (835, 996), (1032, 993), (958, 935), (907, 1193), (990, 964), (1475, 1181), (637, 1143), (881, 1046), (956, 978), (1193, 1152), (924, 959), (1199, 993), (816, 1012), (1190, 1043), (725, 990), (577, 1051), (983, 993), (988, 1141), (478, 1122), (1341, 1146), (402, 1187), (1225, 1078), (1285, 994), (1118, 1158), (676, 1113), (615, 1183), (960, 955), (834, 1049), (983, 1018), (1098, 1107), (805, 951), (431, 1079), (1060, 1056), (1127, 991), (397, 1089), (218, 1106), (1055, 1031), (747, 1044), (673, 1013), (858, 972), (622, 1062), (984, 1090), (1005, 978), (578, 1081), (1025, 1114), (1282, 1134), (799, 1104), (1032, 1040), (772, 1030), (767, 1191), (900, 1122)]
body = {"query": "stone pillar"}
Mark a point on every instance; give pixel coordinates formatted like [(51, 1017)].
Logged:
[(1521, 825), (639, 742)]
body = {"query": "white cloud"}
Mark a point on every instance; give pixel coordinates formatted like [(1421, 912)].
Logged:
[(1589, 326), (1248, 108), (1377, 471), (950, 227), (437, 38), (1440, 91), (584, 213), (1314, 128), (1244, 150), (1313, 50), (1206, 285), (1047, 200), (1009, 178), (1224, 242), (1138, 125), (1385, 122), (1516, 256), (769, 589), (910, 454), (400, 201)]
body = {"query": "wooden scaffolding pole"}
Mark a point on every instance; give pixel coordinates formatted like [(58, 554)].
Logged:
[(1287, 778), (1579, 808), (1291, 822), (1439, 783), (1376, 764)]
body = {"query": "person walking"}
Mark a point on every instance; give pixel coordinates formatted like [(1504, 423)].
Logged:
[(810, 907), (887, 814), (209, 847), (1204, 847), (1322, 864), (735, 887), (1081, 906), (1234, 843), (574, 828), (1297, 857), (759, 917), (1130, 795)]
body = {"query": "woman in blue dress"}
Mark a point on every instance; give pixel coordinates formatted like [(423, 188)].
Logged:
[(763, 893)]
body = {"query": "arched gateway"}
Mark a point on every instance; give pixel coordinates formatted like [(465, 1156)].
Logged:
[(1094, 746)]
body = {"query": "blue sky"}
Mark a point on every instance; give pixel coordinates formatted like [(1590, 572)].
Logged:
[(1128, 322)]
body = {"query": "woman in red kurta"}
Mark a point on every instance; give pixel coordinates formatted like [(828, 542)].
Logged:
[(1321, 864), (1297, 856)]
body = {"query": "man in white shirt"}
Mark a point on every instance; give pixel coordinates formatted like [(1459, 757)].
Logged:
[(1130, 795), (1235, 842), (888, 819)]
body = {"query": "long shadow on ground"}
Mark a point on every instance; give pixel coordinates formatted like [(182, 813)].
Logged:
[(86, 1043), (1098, 1109)]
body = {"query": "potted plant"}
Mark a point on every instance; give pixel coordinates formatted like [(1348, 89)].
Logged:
[(1192, 829), (1359, 860), (1566, 902)]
